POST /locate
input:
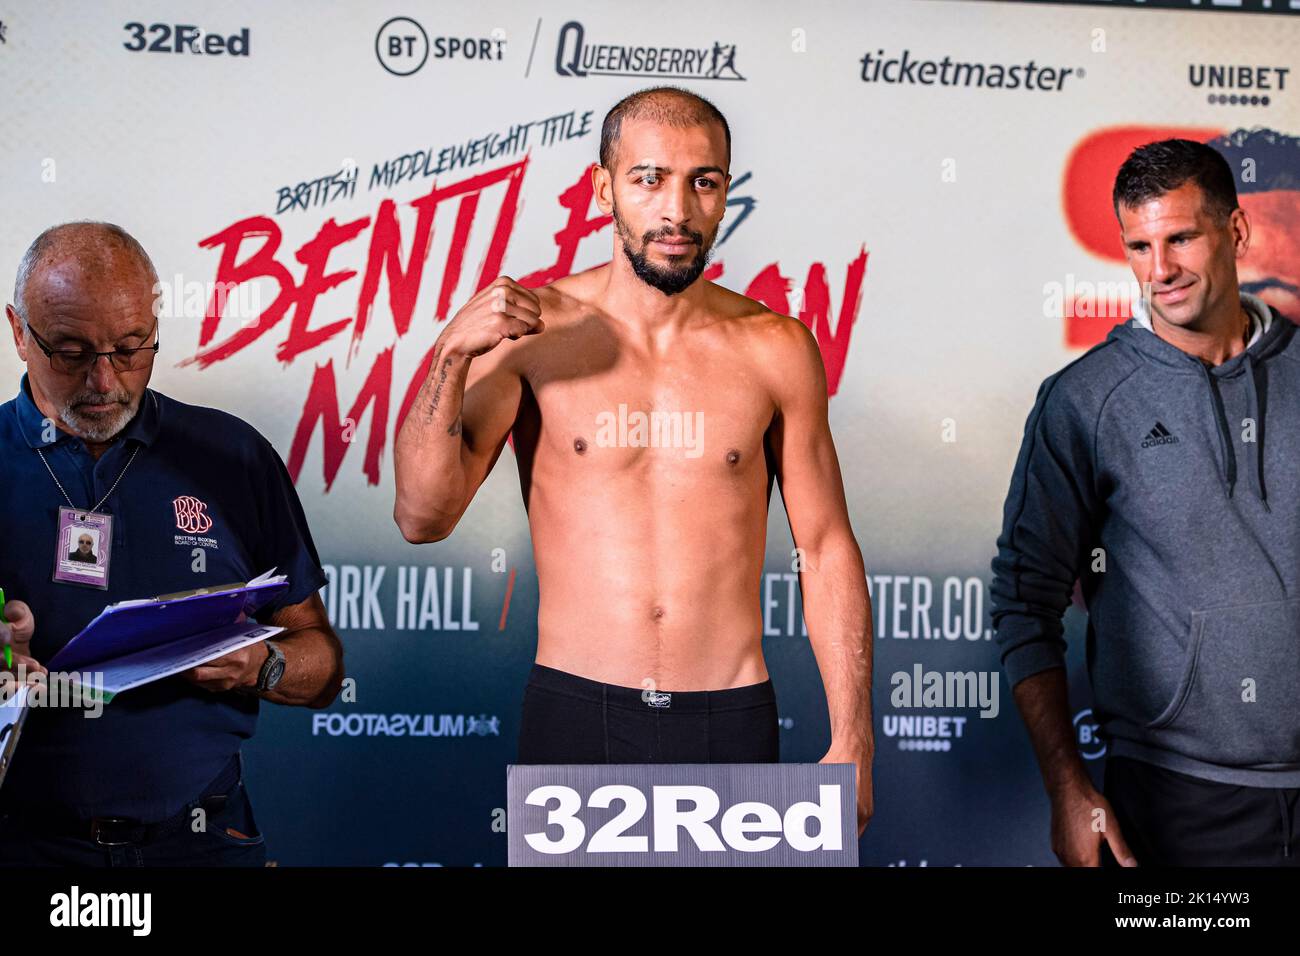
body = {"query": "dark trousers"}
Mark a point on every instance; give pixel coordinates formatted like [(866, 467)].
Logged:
[(1173, 819), (28, 839)]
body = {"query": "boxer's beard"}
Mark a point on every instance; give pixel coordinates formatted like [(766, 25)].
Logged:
[(669, 279), (99, 426)]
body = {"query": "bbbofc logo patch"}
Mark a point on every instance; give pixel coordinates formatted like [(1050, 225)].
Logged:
[(191, 515)]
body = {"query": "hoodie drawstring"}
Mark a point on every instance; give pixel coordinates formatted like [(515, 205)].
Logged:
[(1221, 423), (1256, 472), (1256, 469)]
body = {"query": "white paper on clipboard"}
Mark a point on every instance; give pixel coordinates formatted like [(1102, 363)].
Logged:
[(13, 711)]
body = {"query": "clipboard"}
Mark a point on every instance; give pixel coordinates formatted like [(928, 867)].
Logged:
[(13, 713), (131, 627), (137, 642)]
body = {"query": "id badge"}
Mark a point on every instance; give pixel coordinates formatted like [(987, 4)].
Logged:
[(82, 552)]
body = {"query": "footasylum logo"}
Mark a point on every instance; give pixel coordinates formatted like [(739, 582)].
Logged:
[(574, 56), (1031, 76), (405, 725), (76, 908)]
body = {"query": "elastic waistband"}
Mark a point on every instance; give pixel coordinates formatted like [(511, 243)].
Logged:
[(642, 698)]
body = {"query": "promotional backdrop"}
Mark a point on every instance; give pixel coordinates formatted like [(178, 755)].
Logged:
[(924, 183)]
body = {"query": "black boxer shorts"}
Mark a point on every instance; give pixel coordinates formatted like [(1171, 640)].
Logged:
[(570, 719)]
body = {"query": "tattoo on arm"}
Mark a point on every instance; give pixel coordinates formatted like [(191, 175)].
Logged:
[(440, 379), (424, 389)]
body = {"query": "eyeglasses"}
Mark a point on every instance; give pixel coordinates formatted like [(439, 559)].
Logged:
[(78, 360)]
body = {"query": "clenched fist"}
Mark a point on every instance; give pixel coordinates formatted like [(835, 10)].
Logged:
[(502, 310)]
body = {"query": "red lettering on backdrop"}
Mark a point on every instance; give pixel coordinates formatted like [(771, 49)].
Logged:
[(384, 260), (323, 406), (772, 289), (577, 199), (1085, 196), (260, 264), (315, 282), (404, 284), (385, 242)]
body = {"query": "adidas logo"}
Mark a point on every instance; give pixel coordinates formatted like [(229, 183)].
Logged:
[(1159, 436)]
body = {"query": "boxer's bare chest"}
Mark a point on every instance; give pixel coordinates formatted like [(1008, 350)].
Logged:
[(599, 403)]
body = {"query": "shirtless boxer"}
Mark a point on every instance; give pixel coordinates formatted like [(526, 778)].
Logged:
[(649, 543)]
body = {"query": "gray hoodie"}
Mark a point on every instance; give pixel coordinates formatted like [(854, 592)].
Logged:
[(1168, 489)]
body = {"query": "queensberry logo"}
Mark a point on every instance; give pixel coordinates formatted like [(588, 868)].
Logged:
[(880, 67), (574, 56)]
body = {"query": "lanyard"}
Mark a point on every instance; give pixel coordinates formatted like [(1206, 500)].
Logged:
[(120, 475), (101, 500)]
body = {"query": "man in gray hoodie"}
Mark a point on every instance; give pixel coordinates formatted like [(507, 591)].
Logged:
[(1159, 470)]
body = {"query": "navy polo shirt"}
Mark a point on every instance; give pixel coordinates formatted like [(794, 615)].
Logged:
[(154, 748)]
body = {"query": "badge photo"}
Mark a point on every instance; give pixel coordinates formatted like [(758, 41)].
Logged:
[(83, 550)]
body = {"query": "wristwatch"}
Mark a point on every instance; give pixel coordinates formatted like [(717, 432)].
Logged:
[(272, 670)]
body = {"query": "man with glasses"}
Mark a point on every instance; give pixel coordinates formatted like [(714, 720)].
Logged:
[(85, 550), (182, 497)]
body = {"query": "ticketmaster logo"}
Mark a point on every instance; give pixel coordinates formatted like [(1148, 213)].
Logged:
[(881, 68), (653, 429)]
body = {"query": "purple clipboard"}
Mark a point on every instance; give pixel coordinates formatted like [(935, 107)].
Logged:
[(131, 626)]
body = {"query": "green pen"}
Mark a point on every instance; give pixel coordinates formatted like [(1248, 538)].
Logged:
[(9, 654)]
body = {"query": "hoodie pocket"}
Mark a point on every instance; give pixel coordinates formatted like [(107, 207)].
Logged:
[(1238, 701)]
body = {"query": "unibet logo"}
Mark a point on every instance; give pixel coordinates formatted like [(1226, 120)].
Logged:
[(749, 826)]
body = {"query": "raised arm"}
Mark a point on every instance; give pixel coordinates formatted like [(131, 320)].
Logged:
[(460, 420), (832, 579)]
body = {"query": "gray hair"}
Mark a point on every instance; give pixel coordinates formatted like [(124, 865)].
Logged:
[(49, 239)]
